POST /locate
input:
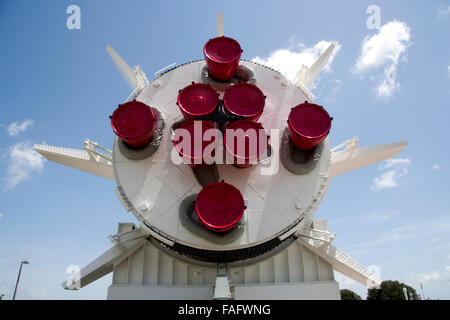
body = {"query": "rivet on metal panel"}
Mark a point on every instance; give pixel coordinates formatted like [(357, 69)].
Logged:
[(144, 206)]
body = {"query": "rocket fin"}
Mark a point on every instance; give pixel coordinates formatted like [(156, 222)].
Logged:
[(354, 158), (78, 159), (126, 71)]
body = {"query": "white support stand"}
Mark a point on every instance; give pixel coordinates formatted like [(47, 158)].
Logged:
[(127, 240), (352, 157), (222, 287), (142, 270), (338, 259), (89, 159)]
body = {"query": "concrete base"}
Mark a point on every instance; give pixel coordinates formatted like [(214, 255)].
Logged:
[(149, 292), (317, 290)]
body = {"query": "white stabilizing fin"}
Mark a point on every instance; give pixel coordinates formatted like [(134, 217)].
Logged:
[(352, 158), (306, 76), (126, 242), (344, 264), (126, 71), (220, 28), (338, 259), (78, 159)]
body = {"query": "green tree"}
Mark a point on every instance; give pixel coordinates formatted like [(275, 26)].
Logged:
[(391, 290), (349, 295)]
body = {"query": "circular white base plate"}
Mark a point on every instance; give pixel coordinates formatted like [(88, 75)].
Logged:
[(276, 203)]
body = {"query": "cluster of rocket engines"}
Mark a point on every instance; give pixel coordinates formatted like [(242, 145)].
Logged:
[(219, 205)]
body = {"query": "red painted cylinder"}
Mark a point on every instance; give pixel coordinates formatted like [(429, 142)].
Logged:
[(222, 55), (309, 124), (197, 100), (244, 100), (134, 123), (219, 206), (193, 149), (245, 141)]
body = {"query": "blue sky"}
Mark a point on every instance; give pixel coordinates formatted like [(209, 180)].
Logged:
[(59, 86)]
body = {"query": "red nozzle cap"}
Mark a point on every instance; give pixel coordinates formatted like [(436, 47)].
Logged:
[(309, 124), (197, 99), (222, 49), (219, 206), (134, 123), (244, 99)]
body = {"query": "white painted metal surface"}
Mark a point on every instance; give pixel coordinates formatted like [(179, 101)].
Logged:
[(336, 258), (306, 76), (131, 239), (85, 160), (123, 67), (135, 77), (275, 203), (142, 270), (222, 288), (220, 28), (352, 158)]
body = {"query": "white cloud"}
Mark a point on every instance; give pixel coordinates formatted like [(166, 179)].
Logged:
[(387, 180), (443, 12), (391, 178), (436, 167), (15, 128), (395, 162), (1, 215), (434, 240), (289, 61), (39, 293), (23, 161), (344, 281), (442, 277), (3, 290), (383, 50), (379, 216)]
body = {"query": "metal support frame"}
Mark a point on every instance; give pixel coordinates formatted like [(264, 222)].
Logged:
[(91, 148)]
